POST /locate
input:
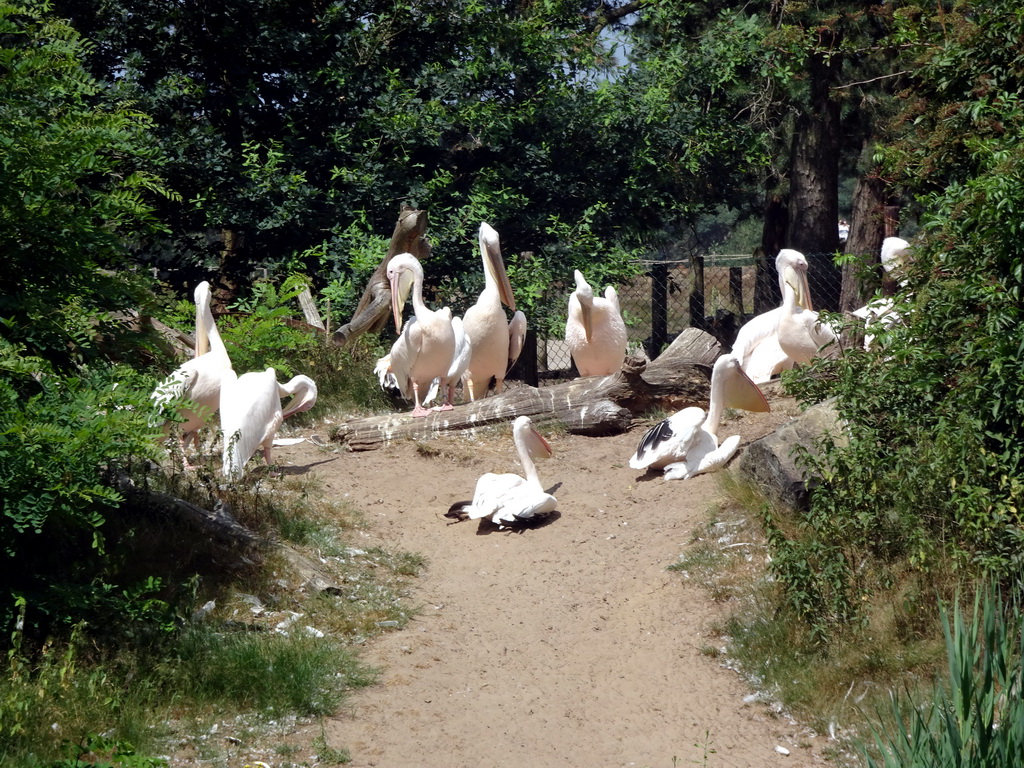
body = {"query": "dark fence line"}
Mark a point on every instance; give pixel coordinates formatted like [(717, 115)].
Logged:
[(715, 293)]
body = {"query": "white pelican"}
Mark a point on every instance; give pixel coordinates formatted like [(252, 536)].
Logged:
[(880, 313), (686, 443), (460, 363), (801, 332), (425, 348), (250, 413), (198, 379), (757, 343), (894, 252), (594, 331), (509, 498), (491, 335)]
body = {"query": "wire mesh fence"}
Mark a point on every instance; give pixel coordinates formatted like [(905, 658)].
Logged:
[(716, 292)]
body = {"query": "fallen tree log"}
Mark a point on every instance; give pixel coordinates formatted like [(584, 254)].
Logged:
[(604, 405), (375, 304)]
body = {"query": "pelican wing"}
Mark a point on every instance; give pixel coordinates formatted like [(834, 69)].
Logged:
[(516, 338), (525, 503), (707, 458), (669, 439), (613, 299), (491, 491), (170, 390), (404, 352), (463, 354)]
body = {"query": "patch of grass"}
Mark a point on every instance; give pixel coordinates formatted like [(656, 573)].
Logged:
[(346, 384), (266, 643), (272, 673), (329, 755), (975, 714), (828, 689)]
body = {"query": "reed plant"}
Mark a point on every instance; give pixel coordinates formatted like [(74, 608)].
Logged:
[(975, 716)]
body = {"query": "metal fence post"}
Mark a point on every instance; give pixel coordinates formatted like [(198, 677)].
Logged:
[(697, 293), (659, 310)]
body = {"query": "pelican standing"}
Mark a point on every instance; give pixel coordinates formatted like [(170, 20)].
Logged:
[(595, 331), (495, 343), (251, 414), (198, 379), (425, 348), (757, 343), (508, 498), (686, 443), (801, 332), (458, 367)]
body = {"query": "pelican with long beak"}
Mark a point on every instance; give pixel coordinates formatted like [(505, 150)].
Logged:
[(801, 333), (686, 443), (495, 343), (197, 380), (507, 498), (594, 330), (425, 346), (251, 413), (757, 343)]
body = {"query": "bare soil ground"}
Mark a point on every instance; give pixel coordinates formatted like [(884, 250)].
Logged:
[(568, 644)]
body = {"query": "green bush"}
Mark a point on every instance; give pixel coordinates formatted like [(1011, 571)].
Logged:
[(931, 472), (59, 450)]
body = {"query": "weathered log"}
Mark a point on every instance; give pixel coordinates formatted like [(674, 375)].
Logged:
[(217, 526), (603, 405), (371, 314), (309, 310)]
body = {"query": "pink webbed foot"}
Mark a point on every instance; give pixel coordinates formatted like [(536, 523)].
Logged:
[(419, 412), (444, 407)]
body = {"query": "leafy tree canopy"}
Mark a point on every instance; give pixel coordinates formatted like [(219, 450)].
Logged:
[(287, 125)]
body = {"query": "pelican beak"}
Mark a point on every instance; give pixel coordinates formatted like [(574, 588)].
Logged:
[(542, 447), (397, 300), (490, 249), (742, 392), (797, 280)]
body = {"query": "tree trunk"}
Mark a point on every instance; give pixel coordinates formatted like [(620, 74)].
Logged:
[(867, 228), (598, 405), (814, 182), (773, 240), (372, 313)]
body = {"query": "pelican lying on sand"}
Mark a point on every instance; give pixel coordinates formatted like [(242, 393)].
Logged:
[(506, 498)]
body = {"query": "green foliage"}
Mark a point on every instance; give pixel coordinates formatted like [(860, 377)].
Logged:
[(931, 471), (60, 449), (976, 714), (98, 751), (293, 137), (76, 175), (544, 280), (347, 261), (258, 337)]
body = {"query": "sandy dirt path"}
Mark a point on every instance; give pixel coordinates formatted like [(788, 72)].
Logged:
[(565, 645)]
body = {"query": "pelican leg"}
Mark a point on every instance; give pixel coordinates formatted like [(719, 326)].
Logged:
[(419, 411), (183, 440), (498, 384), (448, 390)]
